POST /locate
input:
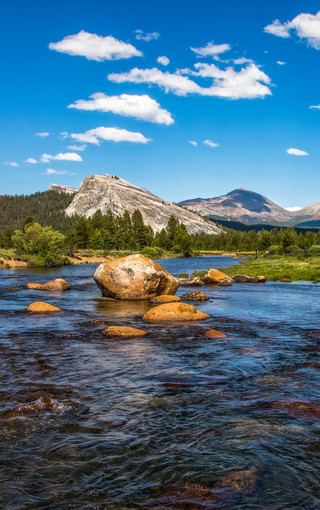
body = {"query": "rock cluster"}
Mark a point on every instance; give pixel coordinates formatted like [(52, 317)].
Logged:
[(241, 278)]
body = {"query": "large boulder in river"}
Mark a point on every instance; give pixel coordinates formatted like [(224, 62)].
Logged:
[(216, 277), (134, 277), (174, 312)]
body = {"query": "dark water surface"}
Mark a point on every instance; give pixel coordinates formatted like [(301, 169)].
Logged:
[(172, 420)]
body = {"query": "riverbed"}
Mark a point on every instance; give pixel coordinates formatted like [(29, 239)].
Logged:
[(172, 420)]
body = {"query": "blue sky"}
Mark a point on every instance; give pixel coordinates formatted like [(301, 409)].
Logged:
[(245, 89)]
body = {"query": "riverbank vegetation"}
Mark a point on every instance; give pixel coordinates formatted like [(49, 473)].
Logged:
[(283, 268), (281, 253)]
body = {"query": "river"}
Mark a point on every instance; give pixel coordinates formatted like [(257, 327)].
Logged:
[(172, 420)]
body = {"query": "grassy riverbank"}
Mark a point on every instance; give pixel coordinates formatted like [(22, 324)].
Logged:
[(279, 268), (9, 259)]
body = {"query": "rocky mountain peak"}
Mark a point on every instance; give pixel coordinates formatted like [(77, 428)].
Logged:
[(110, 192)]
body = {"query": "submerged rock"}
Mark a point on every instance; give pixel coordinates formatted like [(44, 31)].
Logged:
[(193, 282), (134, 277), (164, 299), (54, 285), (185, 496), (175, 312), (213, 333), (243, 481), (216, 277), (298, 409), (123, 332), (241, 278), (195, 295), (41, 307)]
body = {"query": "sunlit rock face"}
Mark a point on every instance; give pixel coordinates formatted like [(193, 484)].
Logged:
[(134, 277), (62, 189), (109, 192)]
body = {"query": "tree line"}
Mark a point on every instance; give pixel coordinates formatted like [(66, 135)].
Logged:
[(109, 232), (275, 241), (104, 232)]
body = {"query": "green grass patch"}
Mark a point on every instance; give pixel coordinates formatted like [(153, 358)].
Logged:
[(278, 268)]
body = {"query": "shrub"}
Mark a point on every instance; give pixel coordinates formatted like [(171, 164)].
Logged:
[(37, 240), (152, 253), (314, 251), (275, 249), (294, 251)]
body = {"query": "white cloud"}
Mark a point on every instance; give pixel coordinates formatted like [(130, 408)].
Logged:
[(211, 50), (95, 47), (140, 35), (211, 143), (77, 147), (297, 152), (193, 143), (64, 135), (243, 60), (315, 107), (278, 29), (31, 160), (51, 171), (42, 135), (293, 209), (68, 156), (110, 134), (305, 25), (164, 61), (179, 85), (141, 107), (281, 63), (249, 82), (11, 163)]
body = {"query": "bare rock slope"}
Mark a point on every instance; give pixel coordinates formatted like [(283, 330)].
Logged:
[(109, 192), (62, 189)]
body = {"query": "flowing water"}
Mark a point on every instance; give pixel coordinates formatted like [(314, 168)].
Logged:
[(172, 420)]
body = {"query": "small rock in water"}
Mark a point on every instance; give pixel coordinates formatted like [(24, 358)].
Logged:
[(213, 333), (55, 285), (123, 332), (41, 307), (164, 299), (193, 282), (216, 277), (174, 312), (195, 295)]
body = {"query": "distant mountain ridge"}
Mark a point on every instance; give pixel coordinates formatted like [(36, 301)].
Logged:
[(110, 192), (250, 208)]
